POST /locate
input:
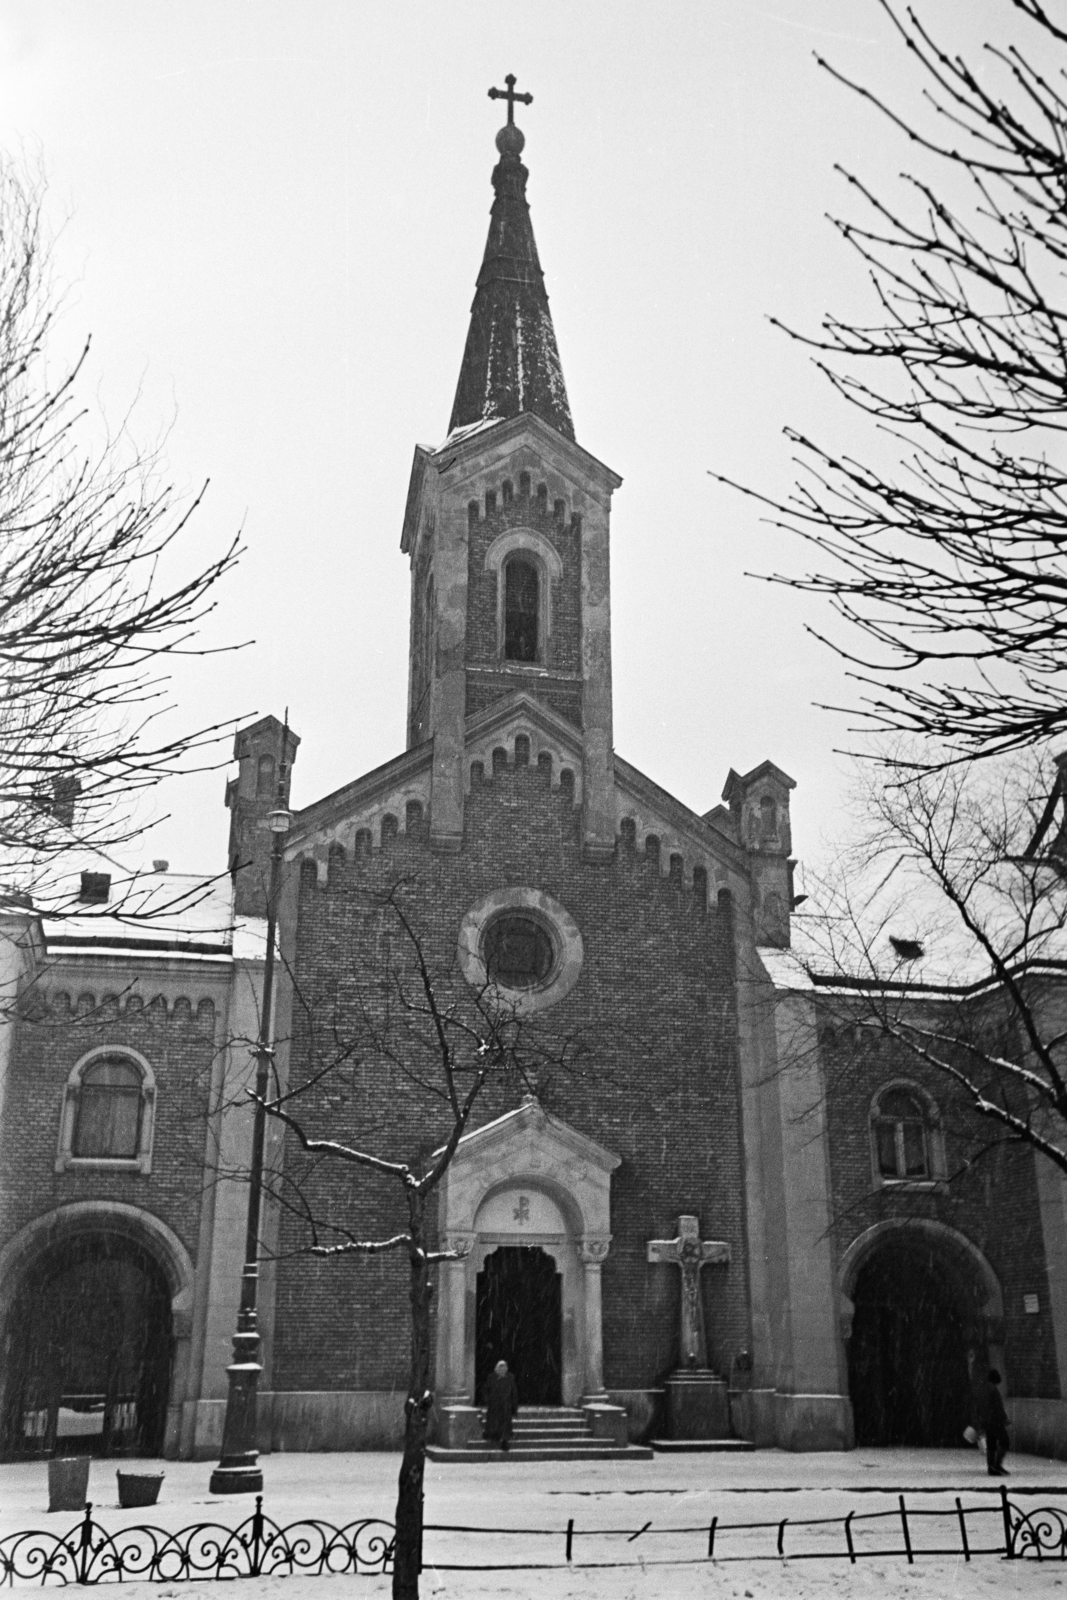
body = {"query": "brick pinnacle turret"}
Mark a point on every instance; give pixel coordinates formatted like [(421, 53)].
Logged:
[(511, 360)]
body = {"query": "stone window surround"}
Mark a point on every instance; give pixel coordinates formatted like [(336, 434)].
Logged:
[(66, 1160), (562, 928), (935, 1138), (545, 557)]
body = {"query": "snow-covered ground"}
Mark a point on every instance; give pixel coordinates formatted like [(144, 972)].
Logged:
[(607, 1501)]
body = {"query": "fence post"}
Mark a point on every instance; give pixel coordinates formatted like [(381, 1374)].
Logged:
[(257, 1536), (570, 1537), (422, 1518), (1009, 1536), (711, 1537), (85, 1544), (963, 1530), (848, 1538), (907, 1535)]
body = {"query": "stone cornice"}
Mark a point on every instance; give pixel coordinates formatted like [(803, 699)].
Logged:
[(678, 818), (487, 448), (375, 787)]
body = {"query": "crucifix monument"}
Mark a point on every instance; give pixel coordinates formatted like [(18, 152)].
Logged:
[(690, 1252), (697, 1399)]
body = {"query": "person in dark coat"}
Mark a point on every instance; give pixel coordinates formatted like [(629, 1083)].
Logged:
[(993, 1419), (501, 1404)]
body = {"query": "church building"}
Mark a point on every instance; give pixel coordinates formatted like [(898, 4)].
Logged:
[(702, 1207)]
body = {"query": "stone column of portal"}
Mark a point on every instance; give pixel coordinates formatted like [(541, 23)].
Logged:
[(458, 1421), (592, 1253), (452, 1320)]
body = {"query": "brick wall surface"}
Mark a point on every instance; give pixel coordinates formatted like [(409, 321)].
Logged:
[(654, 1008), (179, 1044), (992, 1198)]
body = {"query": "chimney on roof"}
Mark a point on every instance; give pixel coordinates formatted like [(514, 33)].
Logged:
[(95, 888)]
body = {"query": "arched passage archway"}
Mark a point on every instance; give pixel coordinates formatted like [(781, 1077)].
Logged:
[(95, 1320), (921, 1312)]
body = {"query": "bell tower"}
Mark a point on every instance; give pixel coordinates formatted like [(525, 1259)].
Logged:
[(507, 528)]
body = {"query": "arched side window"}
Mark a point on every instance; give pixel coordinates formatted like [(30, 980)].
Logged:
[(906, 1141), (108, 1112), (522, 609)]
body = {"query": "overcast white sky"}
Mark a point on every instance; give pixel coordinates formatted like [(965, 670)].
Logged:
[(273, 214)]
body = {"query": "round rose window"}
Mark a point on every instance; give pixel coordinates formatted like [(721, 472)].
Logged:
[(520, 949), (518, 952)]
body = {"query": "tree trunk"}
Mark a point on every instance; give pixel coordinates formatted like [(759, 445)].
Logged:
[(407, 1555)]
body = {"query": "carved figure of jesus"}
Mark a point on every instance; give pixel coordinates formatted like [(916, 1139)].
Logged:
[(689, 1252)]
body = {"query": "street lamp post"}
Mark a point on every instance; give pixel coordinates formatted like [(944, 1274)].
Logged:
[(238, 1471)]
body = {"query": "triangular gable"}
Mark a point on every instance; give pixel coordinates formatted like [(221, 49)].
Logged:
[(522, 714), (529, 1145), (682, 832), (385, 792)]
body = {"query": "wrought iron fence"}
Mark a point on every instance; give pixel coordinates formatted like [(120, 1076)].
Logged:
[(89, 1554), (258, 1547)]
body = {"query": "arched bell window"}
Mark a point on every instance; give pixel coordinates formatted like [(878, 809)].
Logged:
[(522, 610), (265, 777), (108, 1111), (907, 1146), (768, 817)]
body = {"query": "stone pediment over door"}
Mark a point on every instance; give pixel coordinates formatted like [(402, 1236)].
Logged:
[(530, 1146)]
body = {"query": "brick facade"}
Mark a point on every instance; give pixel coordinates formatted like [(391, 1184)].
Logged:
[(179, 1042), (991, 1200), (653, 1008)]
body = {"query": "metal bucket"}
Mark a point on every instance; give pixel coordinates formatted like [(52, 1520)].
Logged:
[(139, 1488)]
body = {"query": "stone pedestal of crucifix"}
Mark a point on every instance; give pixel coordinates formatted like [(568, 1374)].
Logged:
[(698, 1402)]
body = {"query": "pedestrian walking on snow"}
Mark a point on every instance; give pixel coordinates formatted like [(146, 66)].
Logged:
[(501, 1404), (994, 1423)]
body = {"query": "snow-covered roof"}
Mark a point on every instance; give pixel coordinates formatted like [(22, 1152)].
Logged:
[(93, 903)]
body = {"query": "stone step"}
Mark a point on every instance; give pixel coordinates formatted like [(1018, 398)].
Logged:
[(544, 1440), (549, 1428), (688, 1446), (587, 1450)]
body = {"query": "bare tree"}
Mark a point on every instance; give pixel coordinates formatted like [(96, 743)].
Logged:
[(87, 626), (443, 1046), (950, 562), (945, 929)]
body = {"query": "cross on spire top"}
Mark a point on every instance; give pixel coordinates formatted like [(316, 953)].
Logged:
[(510, 96)]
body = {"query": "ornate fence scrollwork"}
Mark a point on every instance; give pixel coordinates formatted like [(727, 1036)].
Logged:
[(1039, 1534), (257, 1548)]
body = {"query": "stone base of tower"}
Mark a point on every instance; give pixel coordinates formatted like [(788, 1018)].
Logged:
[(800, 1421)]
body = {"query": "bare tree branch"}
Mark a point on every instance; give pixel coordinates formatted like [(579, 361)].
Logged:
[(949, 568)]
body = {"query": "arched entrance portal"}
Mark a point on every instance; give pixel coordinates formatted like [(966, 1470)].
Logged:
[(915, 1325), (519, 1318), (90, 1345)]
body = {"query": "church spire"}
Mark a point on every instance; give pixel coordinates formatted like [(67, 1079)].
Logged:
[(511, 361)]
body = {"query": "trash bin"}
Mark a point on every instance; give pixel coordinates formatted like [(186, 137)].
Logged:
[(68, 1483), (139, 1488)]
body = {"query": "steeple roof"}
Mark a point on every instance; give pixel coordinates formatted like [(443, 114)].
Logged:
[(511, 360)]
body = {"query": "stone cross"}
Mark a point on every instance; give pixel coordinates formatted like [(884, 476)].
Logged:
[(510, 96), (690, 1252)]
